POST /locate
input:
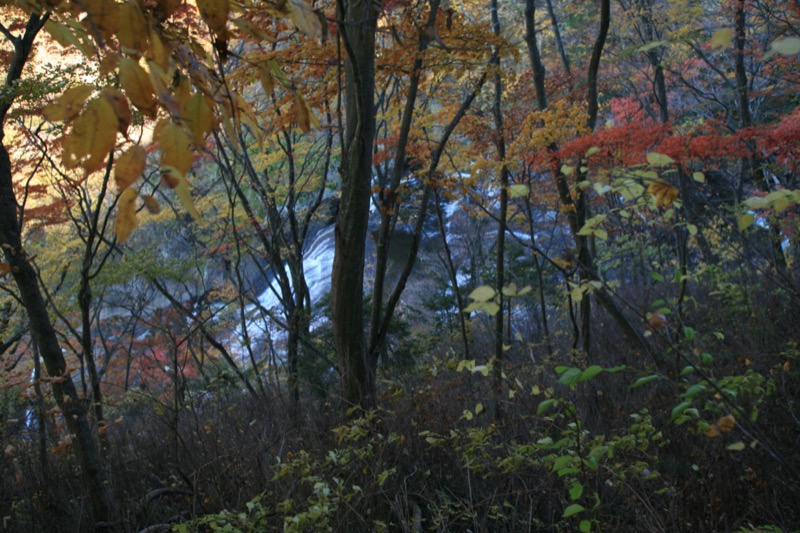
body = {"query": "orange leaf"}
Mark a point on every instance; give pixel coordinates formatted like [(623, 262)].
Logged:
[(712, 431), (663, 192), (151, 204), (726, 423)]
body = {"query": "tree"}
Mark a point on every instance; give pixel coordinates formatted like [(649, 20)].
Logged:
[(73, 407)]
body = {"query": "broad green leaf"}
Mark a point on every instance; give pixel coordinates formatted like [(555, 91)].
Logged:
[(573, 509), (544, 406), (699, 177), (659, 160), (721, 38), (518, 190), (745, 221), (570, 377), (591, 372), (680, 408), (482, 294), (788, 46), (585, 526), (491, 308), (576, 491)]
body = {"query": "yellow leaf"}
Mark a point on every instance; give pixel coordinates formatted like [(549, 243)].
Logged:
[(102, 16), (659, 160), (67, 37), (133, 32), (68, 105), (158, 52), (174, 143), (129, 167), (199, 117), (151, 204), (182, 190), (136, 83), (160, 81), (215, 13), (301, 113), (121, 108), (165, 8), (265, 77), (126, 215), (305, 18), (721, 38), (663, 192), (726, 423), (93, 136), (712, 431)]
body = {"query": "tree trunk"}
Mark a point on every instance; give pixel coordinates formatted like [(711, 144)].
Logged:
[(73, 407), (357, 33)]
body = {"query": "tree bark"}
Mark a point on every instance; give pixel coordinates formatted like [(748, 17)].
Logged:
[(357, 19), (73, 407)]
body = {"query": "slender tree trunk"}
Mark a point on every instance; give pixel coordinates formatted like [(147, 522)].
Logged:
[(357, 33), (562, 51), (500, 145), (453, 275), (72, 406), (752, 165), (389, 205), (537, 67)]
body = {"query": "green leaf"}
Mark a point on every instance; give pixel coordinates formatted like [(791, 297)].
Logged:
[(745, 221), (788, 46), (585, 526), (491, 308), (699, 177), (736, 446), (680, 408), (655, 44), (518, 190), (570, 377), (545, 405), (659, 160), (576, 491), (645, 380), (591, 151), (482, 294), (573, 509), (591, 372), (721, 38)]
